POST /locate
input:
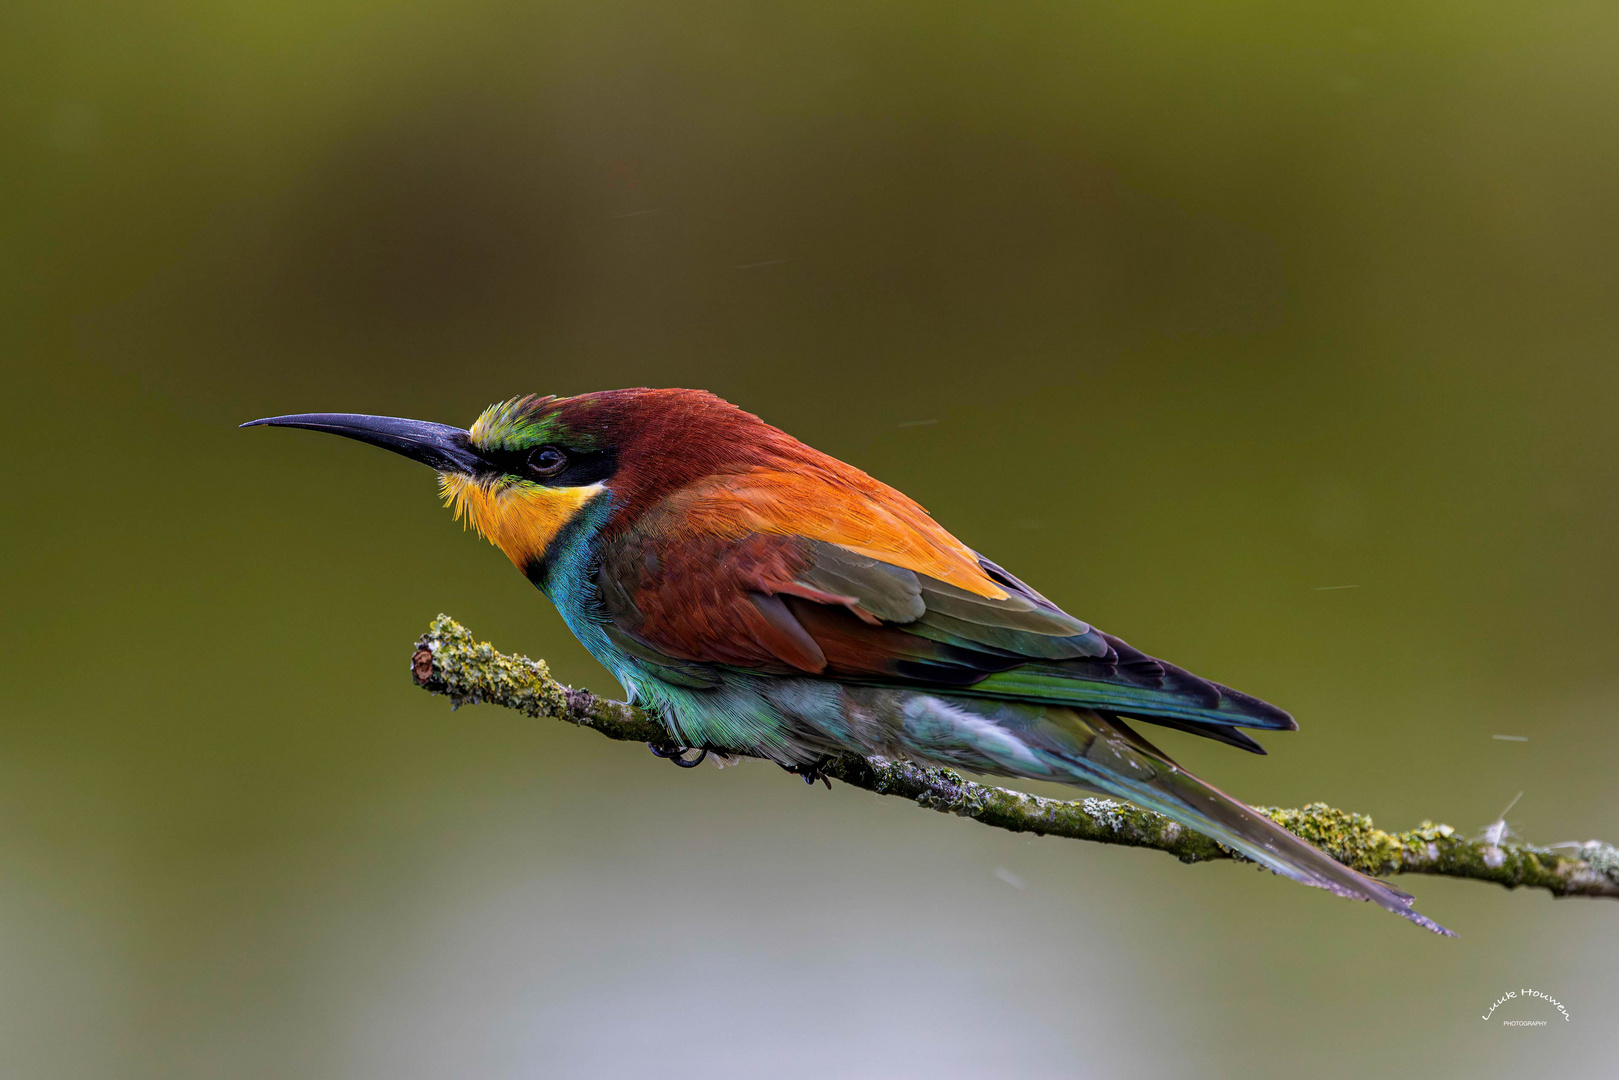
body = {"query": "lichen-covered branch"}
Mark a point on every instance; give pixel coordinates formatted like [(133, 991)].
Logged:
[(448, 661)]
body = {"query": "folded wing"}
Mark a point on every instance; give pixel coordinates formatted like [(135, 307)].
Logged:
[(731, 585)]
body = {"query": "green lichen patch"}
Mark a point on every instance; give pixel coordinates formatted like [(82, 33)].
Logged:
[(1601, 858), (471, 671), (1350, 838), (449, 660)]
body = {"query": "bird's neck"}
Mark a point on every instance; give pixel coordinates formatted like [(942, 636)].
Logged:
[(562, 569), (566, 574)]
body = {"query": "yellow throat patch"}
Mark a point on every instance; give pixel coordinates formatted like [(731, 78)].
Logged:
[(519, 518)]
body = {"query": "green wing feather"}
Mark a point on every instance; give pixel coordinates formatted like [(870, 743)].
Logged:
[(1022, 648), (782, 604)]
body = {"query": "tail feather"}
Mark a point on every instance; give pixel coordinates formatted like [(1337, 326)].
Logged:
[(1121, 763), (1100, 752)]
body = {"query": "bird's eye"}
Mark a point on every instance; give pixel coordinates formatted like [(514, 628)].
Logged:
[(547, 461)]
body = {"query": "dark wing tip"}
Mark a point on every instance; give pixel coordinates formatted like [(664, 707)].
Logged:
[(1256, 713), (1229, 734)]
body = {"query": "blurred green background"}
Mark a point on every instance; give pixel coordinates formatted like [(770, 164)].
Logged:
[(1185, 312)]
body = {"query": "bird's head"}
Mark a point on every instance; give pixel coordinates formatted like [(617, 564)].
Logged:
[(528, 466)]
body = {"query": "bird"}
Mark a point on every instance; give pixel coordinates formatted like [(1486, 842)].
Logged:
[(757, 595)]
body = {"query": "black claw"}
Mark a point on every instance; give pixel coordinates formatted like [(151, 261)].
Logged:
[(678, 755), (812, 773)]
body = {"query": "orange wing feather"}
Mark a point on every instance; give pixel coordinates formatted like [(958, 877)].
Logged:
[(854, 511)]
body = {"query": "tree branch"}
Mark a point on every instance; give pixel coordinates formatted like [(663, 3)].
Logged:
[(448, 661)]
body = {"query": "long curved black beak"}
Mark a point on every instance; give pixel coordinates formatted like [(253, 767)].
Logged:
[(439, 446)]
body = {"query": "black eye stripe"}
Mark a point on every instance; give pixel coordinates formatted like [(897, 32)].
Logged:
[(575, 468)]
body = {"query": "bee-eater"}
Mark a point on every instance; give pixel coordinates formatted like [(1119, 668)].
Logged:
[(759, 595)]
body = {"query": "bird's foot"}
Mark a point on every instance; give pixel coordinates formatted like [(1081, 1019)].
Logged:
[(813, 772), (677, 754)]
